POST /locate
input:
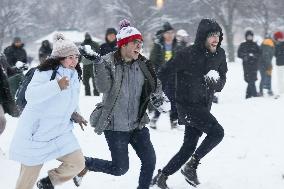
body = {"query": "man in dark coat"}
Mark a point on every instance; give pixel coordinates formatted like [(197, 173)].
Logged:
[(44, 51), (164, 49), (201, 71), (250, 52), (88, 67), (16, 56), (110, 44), (7, 103)]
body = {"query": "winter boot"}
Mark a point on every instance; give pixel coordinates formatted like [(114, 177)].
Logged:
[(78, 179), (160, 180), (174, 124), (153, 123), (270, 93), (189, 172), (45, 183)]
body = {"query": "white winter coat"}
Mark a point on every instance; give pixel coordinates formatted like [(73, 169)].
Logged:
[(44, 130)]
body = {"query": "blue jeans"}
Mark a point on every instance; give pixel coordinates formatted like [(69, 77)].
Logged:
[(118, 146)]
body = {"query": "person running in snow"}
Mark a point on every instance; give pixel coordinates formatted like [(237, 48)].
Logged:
[(201, 71), (110, 44), (127, 81), (250, 53), (45, 126), (164, 50), (88, 67)]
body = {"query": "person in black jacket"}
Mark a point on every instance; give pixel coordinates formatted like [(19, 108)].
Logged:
[(164, 49), (88, 67), (44, 51), (110, 44), (7, 103), (201, 71), (16, 56), (250, 53)]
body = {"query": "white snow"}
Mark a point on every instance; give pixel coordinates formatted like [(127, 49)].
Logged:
[(212, 75), (251, 155)]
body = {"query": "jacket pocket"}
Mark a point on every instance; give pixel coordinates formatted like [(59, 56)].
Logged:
[(96, 114)]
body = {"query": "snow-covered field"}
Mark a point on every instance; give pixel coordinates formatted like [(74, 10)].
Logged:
[(251, 156)]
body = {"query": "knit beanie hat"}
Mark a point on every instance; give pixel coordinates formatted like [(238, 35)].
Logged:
[(63, 47), (248, 32), (127, 33), (278, 35), (167, 27), (111, 31)]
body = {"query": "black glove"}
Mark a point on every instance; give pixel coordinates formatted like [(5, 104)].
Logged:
[(88, 53)]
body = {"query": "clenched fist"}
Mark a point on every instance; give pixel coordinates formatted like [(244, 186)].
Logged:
[(63, 83)]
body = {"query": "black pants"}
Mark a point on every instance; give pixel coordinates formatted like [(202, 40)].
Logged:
[(87, 75), (173, 112), (118, 146), (251, 90), (202, 121)]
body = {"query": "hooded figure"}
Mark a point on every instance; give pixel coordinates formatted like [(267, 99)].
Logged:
[(110, 44), (250, 53), (88, 67), (201, 71), (44, 51)]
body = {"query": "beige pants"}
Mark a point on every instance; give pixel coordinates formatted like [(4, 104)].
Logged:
[(2, 119), (72, 164)]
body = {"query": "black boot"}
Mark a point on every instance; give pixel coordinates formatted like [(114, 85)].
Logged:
[(160, 180), (45, 183), (189, 171)]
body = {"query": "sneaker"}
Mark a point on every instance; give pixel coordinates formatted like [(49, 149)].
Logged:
[(189, 172), (78, 179), (44, 183), (160, 180)]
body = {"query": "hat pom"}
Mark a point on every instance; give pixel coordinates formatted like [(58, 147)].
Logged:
[(58, 36), (124, 23)]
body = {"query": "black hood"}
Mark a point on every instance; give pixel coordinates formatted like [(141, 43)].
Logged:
[(205, 27)]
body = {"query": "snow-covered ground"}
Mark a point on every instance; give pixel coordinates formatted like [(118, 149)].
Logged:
[(251, 155)]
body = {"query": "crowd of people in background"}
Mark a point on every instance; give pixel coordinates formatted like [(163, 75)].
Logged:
[(176, 70)]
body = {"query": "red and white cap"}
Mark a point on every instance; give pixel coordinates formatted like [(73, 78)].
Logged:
[(127, 33)]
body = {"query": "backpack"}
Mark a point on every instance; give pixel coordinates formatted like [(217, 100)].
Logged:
[(20, 94)]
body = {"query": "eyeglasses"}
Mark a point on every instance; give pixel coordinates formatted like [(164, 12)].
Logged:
[(137, 42)]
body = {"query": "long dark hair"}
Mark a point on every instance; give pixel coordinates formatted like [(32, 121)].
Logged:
[(53, 63)]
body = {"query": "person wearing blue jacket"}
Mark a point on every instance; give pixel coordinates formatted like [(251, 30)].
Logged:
[(44, 130)]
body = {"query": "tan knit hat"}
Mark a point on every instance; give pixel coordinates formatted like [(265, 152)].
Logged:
[(63, 47)]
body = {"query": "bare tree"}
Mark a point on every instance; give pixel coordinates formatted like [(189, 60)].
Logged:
[(14, 16)]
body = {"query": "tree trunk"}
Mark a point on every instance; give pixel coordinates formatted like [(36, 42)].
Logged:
[(230, 44)]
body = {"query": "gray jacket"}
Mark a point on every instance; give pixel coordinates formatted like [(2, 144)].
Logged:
[(108, 78)]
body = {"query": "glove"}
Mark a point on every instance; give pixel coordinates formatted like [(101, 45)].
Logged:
[(77, 118), (21, 66), (212, 77), (161, 103), (87, 52)]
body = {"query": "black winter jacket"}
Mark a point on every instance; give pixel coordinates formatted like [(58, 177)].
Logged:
[(250, 53), (191, 65), (279, 54), (14, 54)]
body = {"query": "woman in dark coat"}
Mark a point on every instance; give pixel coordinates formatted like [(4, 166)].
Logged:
[(250, 52)]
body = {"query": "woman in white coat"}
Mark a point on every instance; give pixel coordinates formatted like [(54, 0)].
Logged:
[(45, 126)]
